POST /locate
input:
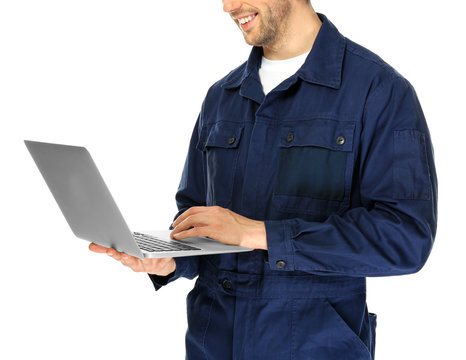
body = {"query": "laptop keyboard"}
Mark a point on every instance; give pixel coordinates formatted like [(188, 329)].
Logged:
[(154, 244)]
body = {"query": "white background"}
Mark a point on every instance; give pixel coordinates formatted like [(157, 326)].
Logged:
[(126, 79)]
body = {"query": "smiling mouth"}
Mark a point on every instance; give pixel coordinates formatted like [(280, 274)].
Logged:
[(246, 19)]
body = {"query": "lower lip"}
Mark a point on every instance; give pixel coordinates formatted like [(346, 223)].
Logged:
[(248, 25)]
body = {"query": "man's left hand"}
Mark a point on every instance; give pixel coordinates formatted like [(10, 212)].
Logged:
[(220, 224)]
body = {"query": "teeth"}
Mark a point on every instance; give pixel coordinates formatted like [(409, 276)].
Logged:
[(246, 20)]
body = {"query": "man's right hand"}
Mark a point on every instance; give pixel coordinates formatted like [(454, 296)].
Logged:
[(160, 267)]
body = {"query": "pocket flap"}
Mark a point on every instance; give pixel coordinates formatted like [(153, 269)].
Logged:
[(221, 134), (329, 134)]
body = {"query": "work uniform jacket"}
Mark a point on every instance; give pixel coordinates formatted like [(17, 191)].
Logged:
[(337, 160)]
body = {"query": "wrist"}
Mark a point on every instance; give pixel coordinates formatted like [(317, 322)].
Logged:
[(256, 237)]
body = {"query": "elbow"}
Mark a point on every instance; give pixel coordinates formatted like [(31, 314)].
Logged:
[(425, 235), (423, 255), (412, 241), (416, 252)]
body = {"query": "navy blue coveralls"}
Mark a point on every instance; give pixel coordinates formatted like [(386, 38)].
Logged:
[(337, 160)]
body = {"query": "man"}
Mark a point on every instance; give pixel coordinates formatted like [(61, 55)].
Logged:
[(316, 153)]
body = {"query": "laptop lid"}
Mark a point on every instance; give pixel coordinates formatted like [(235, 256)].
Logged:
[(81, 194)]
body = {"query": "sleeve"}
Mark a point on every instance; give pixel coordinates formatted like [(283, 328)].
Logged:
[(191, 192), (391, 230)]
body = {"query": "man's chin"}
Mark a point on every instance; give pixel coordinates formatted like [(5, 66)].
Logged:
[(250, 40)]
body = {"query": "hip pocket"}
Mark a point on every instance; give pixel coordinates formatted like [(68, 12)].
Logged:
[(319, 332), (302, 329), (198, 305)]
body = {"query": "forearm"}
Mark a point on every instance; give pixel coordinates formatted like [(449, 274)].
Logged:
[(378, 242)]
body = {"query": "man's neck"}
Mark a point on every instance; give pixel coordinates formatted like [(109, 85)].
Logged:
[(302, 28)]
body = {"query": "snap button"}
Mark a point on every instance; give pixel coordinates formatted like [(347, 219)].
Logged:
[(290, 137), (340, 140), (226, 284), (281, 264), (231, 140)]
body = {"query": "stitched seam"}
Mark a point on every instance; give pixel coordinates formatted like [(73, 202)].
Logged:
[(207, 327), (290, 243), (211, 124), (425, 195), (309, 118), (345, 327), (293, 328), (374, 93), (380, 62)]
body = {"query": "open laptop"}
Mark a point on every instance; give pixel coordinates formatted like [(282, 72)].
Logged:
[(91, 212)]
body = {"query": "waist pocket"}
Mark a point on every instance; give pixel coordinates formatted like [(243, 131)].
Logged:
[(315, 167), (321, 333), (219, 143)]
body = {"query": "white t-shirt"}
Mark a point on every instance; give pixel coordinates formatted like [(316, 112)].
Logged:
[(273, 72)]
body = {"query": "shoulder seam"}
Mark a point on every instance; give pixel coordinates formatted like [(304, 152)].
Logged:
[(395, 76), (380, 63)]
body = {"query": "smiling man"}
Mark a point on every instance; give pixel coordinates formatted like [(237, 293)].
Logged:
[(316, 153), (284, 30)]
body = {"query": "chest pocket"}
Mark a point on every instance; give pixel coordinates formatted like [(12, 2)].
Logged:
[(315, 167), (219, 143)]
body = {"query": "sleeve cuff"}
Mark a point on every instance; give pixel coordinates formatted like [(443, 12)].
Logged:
[(185, 267), (279, 245), (160, 281)]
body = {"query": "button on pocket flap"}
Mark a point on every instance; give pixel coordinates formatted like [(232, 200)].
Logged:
[(222, 135), (329, 134)]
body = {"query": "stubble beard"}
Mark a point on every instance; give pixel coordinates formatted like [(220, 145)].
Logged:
[(273, 25)]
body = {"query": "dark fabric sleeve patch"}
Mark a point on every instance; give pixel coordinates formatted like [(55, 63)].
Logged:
[(311, 171), (410, 168)]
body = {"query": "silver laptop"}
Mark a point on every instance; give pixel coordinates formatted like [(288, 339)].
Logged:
[(93, 215)]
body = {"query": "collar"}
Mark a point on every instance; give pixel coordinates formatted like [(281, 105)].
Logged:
[(323, 66)]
